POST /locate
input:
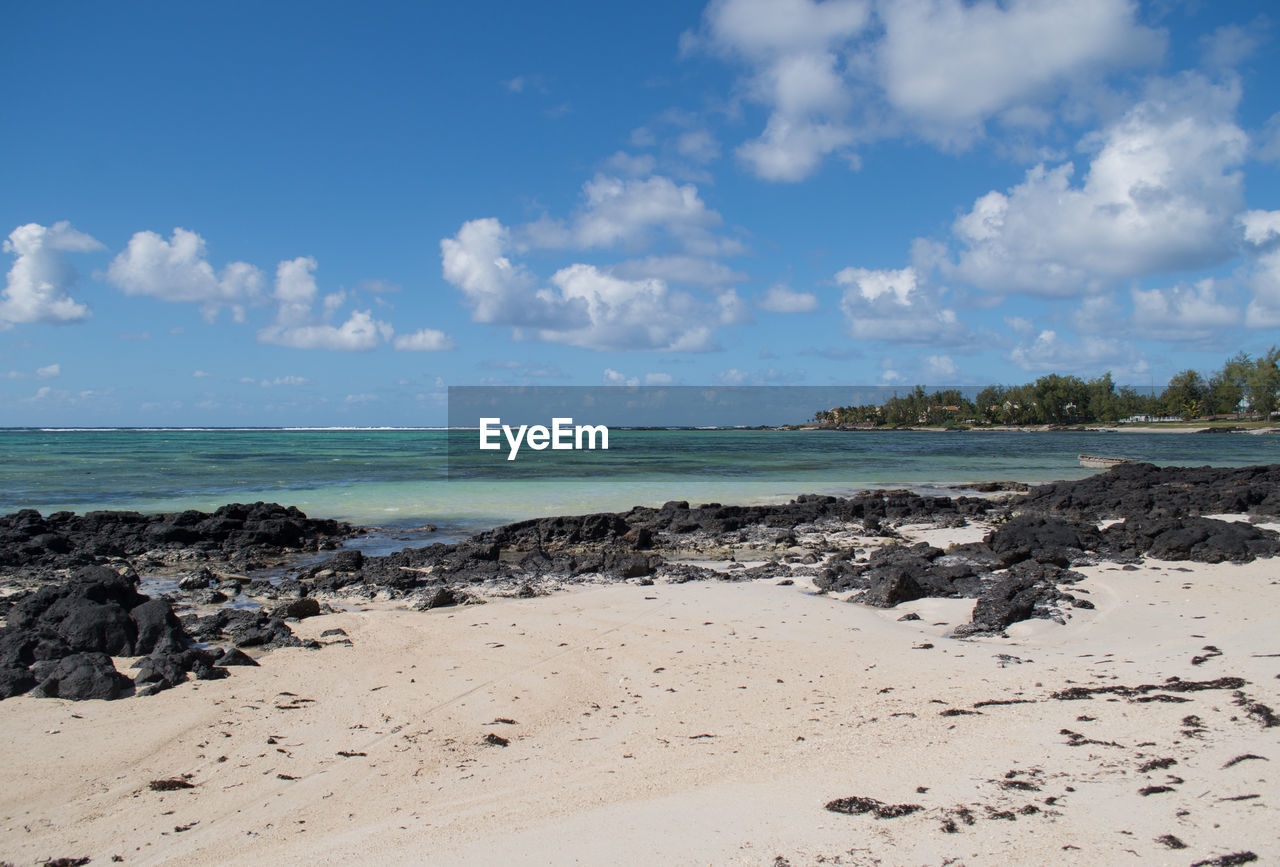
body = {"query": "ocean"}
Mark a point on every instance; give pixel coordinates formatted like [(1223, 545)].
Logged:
[(400, 479)]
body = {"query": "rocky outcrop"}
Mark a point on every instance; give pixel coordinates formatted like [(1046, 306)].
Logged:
[(1145, 490), (59, 640), (34, 544)]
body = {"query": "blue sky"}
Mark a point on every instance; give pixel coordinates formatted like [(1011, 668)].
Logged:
[(325, 213)]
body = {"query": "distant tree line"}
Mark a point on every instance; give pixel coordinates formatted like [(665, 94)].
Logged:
[(1245, 387)]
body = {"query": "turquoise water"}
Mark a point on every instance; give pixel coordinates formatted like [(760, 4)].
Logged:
[(398, 478)]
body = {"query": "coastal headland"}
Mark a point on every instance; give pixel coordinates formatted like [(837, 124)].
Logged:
[(1080, 672)]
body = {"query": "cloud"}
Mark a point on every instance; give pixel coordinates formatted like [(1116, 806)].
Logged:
[(499, 291), (178, 270), (1161, 194), (583, 305), (950, 66), (360, 333), (896, 306), (631, 165), (631, 314), (770, 376), (791, 51), (1183, 312), (37, 284), (378, 287), (832, 74), (698, 146), (613, 377), (1084, 355), (425, 340), (525, 369), (889, 374), (1264, 309), (290, 381), (86, 397), (200, 374), (1260, 227), (679, 269), (50, 371), (1268, 148), (1232, 44), (636, 304), (298, 327), (629, 212), (362, 398), (791, 150), (783, 299), (766, 29), (939, 368)]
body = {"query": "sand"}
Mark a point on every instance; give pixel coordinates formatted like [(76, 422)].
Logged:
[(702, 723)]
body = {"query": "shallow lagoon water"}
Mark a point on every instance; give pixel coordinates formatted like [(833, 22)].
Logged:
[(400, 480)]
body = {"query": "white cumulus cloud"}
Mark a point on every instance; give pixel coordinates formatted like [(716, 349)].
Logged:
[(1264, 309), (1161, 194), (582, 305), (37, 284), (360, 333), (836, 73), (939, 369), (897, 307), (299, 327), (425, 340), (950, 66), (178, 270), (1085, 355), (614, 377), (1260, 227), (792, 52), (499, 291), (1183, 312), (630, 212), (629, 314)]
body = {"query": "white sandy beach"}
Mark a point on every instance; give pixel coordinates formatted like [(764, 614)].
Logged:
[(682, 724)]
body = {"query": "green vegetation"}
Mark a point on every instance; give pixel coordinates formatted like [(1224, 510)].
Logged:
[(1245, 388)]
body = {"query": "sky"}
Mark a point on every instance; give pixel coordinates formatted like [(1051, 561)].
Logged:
[(321, 213)]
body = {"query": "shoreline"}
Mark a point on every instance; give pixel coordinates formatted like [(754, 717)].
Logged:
[(1057, 671), (699, 723), (1254, 429)]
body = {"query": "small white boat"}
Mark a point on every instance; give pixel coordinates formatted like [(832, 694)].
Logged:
[(1102, 463)]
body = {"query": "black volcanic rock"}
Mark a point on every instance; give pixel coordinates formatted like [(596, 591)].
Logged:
[(78, 677), (298, 609), (89, 612), (1145, 490), (30, 542), (235, 656), (1045, 540), (1020, 593), (158, 628), (60, 639), (1206, 540)]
